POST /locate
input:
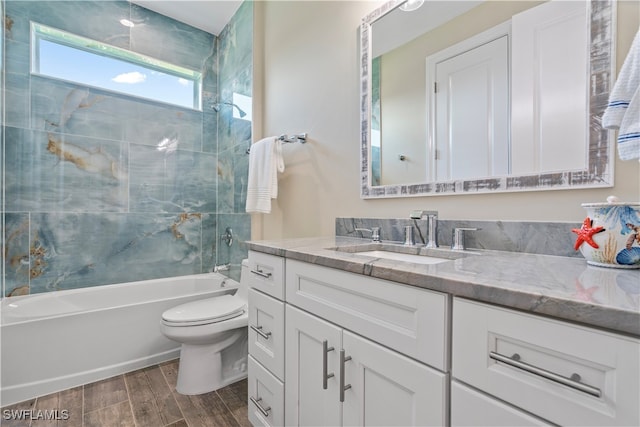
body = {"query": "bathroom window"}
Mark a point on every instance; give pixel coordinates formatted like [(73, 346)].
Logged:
[(66, 56)]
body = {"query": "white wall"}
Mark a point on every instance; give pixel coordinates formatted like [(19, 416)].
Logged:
[(308, 82)]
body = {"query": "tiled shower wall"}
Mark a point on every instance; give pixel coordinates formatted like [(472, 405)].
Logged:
[(90, 196)]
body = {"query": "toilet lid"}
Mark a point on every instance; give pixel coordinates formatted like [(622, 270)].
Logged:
[(207, 310)]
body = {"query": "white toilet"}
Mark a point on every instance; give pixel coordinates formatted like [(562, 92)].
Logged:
[(213, 333)]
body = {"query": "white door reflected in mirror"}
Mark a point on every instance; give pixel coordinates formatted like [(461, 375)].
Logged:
[(527, 122)]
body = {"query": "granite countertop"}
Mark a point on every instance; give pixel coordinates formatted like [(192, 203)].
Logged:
[(561, 287)]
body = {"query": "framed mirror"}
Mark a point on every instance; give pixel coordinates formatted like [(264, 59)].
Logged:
[(531, 121)]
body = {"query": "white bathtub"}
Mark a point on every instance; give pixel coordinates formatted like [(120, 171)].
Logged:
[(57, 340)]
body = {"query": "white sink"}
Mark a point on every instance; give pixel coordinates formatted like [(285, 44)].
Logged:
[(418, 259)]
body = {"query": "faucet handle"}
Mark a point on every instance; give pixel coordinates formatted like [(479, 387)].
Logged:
[(458, 237), (408, 236), (375, 233)]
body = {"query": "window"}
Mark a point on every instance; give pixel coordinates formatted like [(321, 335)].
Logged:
[(62, 55)]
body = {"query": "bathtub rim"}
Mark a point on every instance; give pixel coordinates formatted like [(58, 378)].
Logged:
[(227, 285)]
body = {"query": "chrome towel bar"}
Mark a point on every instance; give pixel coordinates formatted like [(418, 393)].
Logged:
[(286, 139)]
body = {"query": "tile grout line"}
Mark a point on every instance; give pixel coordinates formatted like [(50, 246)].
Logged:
[(126, 386), (173, 392), (224, 402), (35, 406), (108, 406), (82, 408)]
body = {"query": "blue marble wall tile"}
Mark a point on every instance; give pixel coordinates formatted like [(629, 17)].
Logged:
[(171, 180), (209, 100), (65, 107), (83, 250), (209, 242), (106, 188), (157, 124), (16, 254), (235, 71), (241, 172), (56, 172), (210, 130), (233, 169), (226, 178), (234, 254), (235, 46), (16, 84), (98, 20), (164, 38), (58, 106)]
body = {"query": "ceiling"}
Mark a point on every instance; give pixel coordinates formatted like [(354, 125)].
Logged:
[(208, 15)]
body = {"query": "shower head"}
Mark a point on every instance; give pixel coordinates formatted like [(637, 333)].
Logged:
[(217, 105)]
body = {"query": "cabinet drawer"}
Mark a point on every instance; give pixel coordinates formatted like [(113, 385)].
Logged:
[(266, 396), (266, 331), (407, 319), (564, 373), (472, 408), (266, 273)]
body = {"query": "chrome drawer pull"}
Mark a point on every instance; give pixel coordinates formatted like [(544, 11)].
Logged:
[(262, 273), (325, 376), (343, 387), (264, 411), (573, 381), (258, 329)]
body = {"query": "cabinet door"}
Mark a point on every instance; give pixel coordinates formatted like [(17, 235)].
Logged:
[(389, 389), (307, 401)]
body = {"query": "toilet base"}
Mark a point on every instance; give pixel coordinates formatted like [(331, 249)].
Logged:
[(205, 368)]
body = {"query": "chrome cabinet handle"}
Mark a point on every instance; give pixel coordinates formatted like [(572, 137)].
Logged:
[(343, 387), (258, 329), (573, 381), (264, 411), (261, 273), (325, 376)]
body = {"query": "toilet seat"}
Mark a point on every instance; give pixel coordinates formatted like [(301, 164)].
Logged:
[(203, 312)]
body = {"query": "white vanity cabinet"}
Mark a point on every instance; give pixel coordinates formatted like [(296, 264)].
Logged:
[(337, 371), (471, 408), (560, 372), (266, 340)]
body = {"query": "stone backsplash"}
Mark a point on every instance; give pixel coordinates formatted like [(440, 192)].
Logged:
[(549, 238)]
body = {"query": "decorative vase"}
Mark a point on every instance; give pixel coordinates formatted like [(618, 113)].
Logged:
[(610, 234)]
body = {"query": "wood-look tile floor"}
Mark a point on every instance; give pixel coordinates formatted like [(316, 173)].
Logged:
[(143, 398)]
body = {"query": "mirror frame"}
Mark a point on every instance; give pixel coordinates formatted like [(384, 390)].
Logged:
[(601, 151)]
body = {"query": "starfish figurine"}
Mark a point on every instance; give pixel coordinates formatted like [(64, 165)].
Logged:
[(585, 234)]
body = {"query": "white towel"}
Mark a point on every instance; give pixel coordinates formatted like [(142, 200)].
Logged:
[(265, 161), (623, 111)]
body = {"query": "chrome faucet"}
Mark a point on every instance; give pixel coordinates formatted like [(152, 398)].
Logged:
[(408, 236), (458, 238), (432, 226), (375, 233), (227, 237)]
